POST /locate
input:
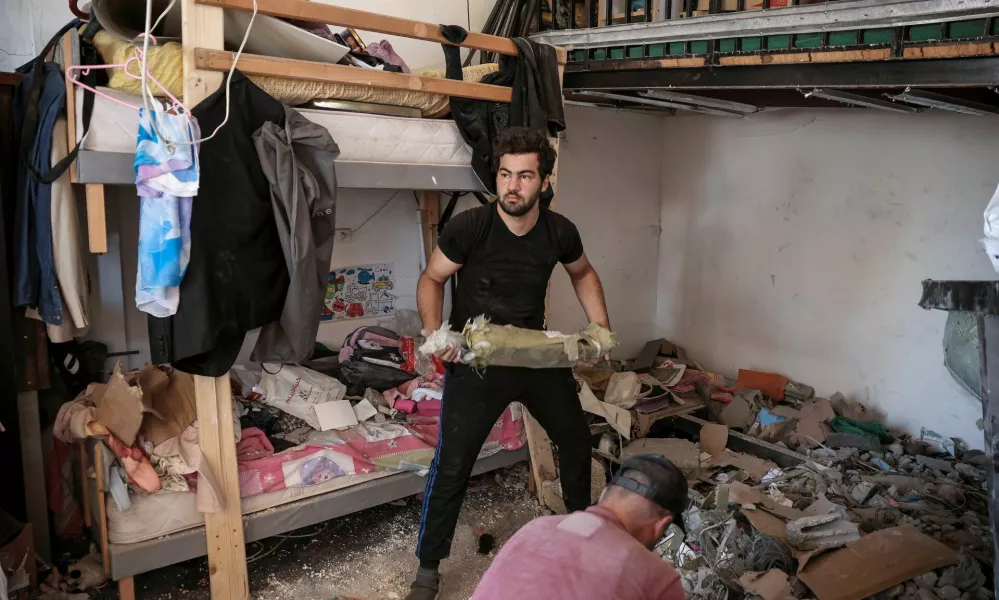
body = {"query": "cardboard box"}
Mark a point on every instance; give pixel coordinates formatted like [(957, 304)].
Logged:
[(17, 553)]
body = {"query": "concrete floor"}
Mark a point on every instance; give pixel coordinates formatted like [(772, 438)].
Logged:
[(367, 555)]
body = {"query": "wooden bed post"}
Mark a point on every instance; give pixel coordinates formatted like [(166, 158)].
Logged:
[(538, 442), (97, 232), (430, 208), (202, 28)]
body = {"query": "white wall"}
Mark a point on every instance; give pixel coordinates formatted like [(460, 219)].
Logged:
[(609, 178), (796, 242), (26, 26)]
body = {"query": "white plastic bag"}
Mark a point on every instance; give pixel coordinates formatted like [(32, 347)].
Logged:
[(296, 390)]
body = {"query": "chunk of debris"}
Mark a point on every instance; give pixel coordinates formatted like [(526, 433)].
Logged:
[(935, 463), (841, 439), (822, 531), (862, 491), (771, 585)]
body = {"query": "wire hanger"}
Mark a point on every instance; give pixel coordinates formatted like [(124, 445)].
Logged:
[(147, 97)]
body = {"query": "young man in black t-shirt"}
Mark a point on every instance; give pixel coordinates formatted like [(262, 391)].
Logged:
[(503, 254)]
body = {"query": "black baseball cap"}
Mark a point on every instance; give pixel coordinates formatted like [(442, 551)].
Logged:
[(667, 484)]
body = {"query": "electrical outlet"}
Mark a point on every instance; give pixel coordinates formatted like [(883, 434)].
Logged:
[(344, 235)]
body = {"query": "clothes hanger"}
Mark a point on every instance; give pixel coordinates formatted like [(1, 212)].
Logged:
[(137, 58)]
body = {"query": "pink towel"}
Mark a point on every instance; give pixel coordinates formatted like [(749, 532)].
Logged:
[(405, 405), (429, 408)]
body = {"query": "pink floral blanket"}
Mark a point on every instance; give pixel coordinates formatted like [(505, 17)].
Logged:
[(365, 448)]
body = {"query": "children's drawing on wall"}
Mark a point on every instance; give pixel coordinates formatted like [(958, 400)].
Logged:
[(359, 293)]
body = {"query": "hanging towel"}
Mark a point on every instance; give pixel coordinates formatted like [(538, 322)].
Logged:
[(166, 177)]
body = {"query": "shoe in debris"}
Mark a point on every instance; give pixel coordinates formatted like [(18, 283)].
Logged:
[(427, 586)]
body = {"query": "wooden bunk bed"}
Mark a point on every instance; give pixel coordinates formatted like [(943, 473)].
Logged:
[(224, 534)]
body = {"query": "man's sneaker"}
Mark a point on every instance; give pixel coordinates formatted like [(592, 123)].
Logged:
[(427, 586)]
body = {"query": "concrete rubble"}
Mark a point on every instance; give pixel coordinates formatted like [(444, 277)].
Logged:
[(853, 509)]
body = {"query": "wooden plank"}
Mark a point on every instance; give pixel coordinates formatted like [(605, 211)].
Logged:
[(102, 506), (224, 530), (202, 27), (254, 64), (67, 54), (318, 12), (97, 231), (430, 205), (538, 443), (88, 519), (542, 458), (950, 50), (126, 589), (33, 464), (789, 58)]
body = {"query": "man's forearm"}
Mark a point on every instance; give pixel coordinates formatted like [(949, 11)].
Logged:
[(430, 302), (590, 292)]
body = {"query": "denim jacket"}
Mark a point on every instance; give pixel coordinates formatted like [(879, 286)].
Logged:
[(35, 282)]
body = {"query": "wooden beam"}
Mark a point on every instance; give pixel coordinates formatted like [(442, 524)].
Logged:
[(88, 517), (430, 206), (223, 530), (318, 12), (202, 27), (542, 458), (33, 464), (102, 506), (538, 442), (254, 64), (67, 55), (126, 589), (97, 226)]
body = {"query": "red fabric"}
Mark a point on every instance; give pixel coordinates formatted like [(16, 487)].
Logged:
[(770, 384), (253, 444), (429, 408), (140, 471)]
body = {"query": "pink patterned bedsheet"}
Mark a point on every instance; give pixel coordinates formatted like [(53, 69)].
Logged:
[(364, 448)]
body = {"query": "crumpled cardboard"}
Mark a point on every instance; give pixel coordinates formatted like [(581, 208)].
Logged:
[(171, 396), (875, 563), (120, 407), (623, 389), (738, 414), (682, 453), (769, 585), (741, 493), (617, 417), (713, 438)]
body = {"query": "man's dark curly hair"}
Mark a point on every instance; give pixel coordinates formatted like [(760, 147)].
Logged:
[(523, 140)]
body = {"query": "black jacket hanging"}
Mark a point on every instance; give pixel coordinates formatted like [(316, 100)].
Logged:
[(536, 102), (237, 279)]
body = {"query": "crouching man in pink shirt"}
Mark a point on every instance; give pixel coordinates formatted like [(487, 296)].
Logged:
[(603, 553)]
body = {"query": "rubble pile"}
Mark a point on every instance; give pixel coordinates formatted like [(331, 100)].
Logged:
[(858, 511)]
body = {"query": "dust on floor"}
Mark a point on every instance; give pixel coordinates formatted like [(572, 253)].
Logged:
[(369, 554)]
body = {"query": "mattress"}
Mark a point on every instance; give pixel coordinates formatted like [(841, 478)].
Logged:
[(155, 515), (361, 137)]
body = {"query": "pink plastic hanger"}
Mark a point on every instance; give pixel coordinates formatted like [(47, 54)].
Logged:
[(85, 69)]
